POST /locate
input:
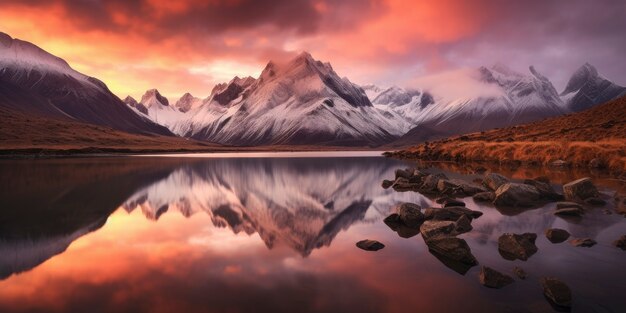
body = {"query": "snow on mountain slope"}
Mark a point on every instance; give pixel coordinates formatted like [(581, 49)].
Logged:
[(30, 72), (300, 102), (587, 88), (187, 103), (472, 100), (157, 108), (301, 202)]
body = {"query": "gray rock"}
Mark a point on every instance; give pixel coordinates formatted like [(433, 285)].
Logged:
[(514, 194), (557, 293), (515, 246), (556, 235), (431, 229), (493, 181), (410, 214), (620, 243), (487, 196), (580, 190), (583, 242), (520, 272), (493, 279), (370, 245)]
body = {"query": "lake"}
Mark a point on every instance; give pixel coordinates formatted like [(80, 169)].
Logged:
[(271, 232)]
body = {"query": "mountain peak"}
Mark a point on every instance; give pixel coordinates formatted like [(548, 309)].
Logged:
[(581, 76), (130, 100), (152, 95)]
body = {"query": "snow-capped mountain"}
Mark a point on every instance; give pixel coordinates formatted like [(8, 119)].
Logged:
[(187, 103), (487, 98), (587, 88), (34, 81), (302, 101), (158, 109)]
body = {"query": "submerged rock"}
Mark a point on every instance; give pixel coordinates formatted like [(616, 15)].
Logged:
[(410, 214), (514, 194), (493, 279), (620, 242), (557, 293), (520, 273), (583, 242), (556, 235), (370, 245), (493, 181), (487, 196), (514, 246), (580, 190)]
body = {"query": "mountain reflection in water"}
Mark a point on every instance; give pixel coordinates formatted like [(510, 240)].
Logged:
[(156, 234)]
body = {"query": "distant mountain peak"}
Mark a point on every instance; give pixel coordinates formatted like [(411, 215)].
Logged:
[(582, 75), (586, 88), (151, 95)]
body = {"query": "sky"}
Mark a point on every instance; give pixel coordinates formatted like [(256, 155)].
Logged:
[(190, 45)]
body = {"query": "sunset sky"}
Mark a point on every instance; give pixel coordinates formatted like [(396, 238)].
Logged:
[(180, 46)]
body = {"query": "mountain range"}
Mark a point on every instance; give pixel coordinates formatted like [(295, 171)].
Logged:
[(299, 102)]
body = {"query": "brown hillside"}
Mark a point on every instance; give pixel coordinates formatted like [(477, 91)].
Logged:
[(598, 133)]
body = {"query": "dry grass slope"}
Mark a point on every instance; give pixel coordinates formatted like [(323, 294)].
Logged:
[(578, 138)]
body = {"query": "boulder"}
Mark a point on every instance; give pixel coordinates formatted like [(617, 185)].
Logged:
[(493, 181), (545, 190), (410, 214), (431, 229), (557, 293), (393, 221), (447, 187), (620, 242), (452, 248), (403, 184), (569, 212), (520, 272), (565, 205), (487, 196), (463, 224), (370, 245), (386, 184), (580, 190), (556, 235), (516, 246), (493, 279), (403, 173), (514, 195), (442, 200), (431, 181), (583, 242), (450, 213)]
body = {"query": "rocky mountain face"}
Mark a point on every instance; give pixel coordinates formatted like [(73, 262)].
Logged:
[(587, 88), (499, 97), (33, 81), (299, 102)]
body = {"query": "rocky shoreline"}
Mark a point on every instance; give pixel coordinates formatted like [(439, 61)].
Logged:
[(440, 226)]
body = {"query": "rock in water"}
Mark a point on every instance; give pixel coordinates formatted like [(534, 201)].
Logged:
[(410, 214), (620, 242), (493, 279), (583, 242), (431, 181), (513, 194), (569, 212), (393, 221), (519, 272), (450, 213), (556, 235), (431, 229), (493, 181), (557, 293), (402, 173), (452, 248), (514, 246), (545, 190), (453, 202), (580, 190), (386, 184), (463, 224), (370, 245), (567, 205), (487, 196)]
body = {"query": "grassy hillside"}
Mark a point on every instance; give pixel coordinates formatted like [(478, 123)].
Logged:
[(598, 133)]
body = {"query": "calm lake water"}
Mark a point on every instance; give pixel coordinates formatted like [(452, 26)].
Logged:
[(269, 233)]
